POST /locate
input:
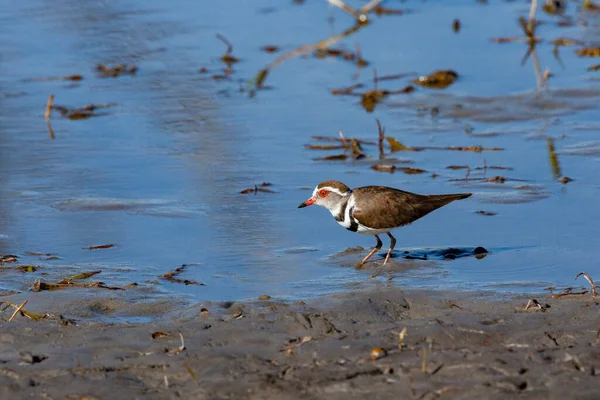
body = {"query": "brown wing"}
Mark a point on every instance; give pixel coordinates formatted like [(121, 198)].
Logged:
[(384, 208)]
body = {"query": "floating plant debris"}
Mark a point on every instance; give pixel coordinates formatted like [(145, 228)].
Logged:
[(594, 68), (27, 268), (498, 179), (555, 7), (486, 213), (396, 145), (341, 54), (116, 70), (411, 170), (227, 58), (335, 139), (72, 78), (20, 310), (384, 168), (588, 52), (456, 25), (380, 10), (84, 112), (9, 258), (102, 246), (39, 286), (78, 277), (258, 188), (337, 157), (325, 147), (156, 335), (589, 5), (270, 49), (171, 277), (347, 90), (440, 79)]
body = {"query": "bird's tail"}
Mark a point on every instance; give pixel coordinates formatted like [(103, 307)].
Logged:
[(435, 201)]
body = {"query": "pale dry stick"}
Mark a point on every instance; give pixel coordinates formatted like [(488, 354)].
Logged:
[(166, 380), (401, 337), (191, 372), (343, 138), (47, 116), (347, 8), (322, 44), (532, 12), (537, 69), (17, 310), (369, 6), (49, 107), (590, 280)]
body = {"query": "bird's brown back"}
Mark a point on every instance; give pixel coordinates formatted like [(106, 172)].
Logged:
[(381, 207)]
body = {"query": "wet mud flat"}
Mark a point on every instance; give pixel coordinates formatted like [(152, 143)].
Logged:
[(382, 343)]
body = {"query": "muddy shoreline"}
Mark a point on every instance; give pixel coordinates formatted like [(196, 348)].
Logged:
[(475, 346)]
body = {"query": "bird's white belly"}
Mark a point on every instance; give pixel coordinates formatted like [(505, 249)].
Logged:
[(363, 230)]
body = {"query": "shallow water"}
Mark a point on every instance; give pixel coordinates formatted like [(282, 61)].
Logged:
[(160, 174)]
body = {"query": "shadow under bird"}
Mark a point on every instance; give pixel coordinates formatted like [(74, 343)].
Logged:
[(373, 210)]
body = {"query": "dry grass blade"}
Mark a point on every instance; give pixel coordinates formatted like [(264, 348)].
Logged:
[(424, 360), (396, 145), (80, 276), (340, 4), (401, 337), (370, 6), (322, 44), (39, 286), (347, 90), (19, 308), (191, 372), (47, 116), (590, 280), (594, 68), (343, 139), (381, 132), (227, 58), (49, 107), (324, 147), (102, 246), (561, 295)]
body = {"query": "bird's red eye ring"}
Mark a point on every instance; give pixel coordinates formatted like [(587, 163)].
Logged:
[(323, 193)]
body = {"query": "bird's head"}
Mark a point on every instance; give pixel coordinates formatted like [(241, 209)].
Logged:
[(328, 194)]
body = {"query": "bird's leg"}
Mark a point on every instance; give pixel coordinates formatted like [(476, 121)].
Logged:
[(377, 247), (392, 244)]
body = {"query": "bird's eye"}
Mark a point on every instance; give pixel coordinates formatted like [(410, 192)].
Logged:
[(323, 193)]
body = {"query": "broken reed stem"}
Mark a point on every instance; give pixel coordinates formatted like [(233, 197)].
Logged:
[(348, 9), (424, 362), (343, 138), (17, 310), (47, 115), (322, 44), (381, 136), (49, 107), (532, 12)]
